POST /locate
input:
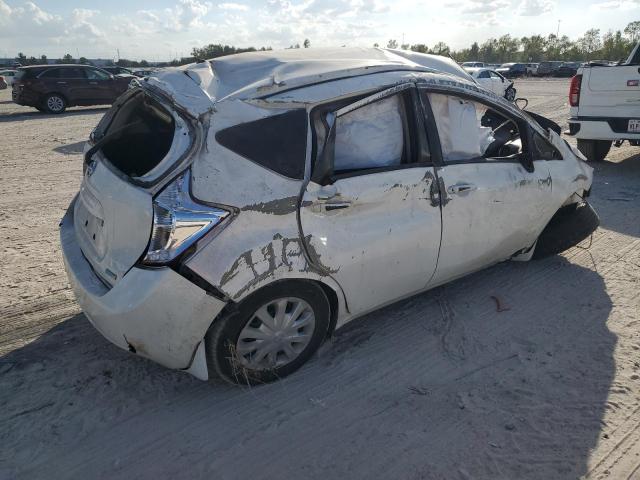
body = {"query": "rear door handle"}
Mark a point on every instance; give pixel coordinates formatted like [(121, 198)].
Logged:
[(61, 83), (93, 83), (459, 188)]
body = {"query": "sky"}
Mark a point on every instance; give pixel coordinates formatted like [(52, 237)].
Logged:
[(165, 29)]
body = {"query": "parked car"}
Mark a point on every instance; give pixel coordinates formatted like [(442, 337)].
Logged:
[(546, 69), (567, 69), (512, 70), (494, 82), (473, 65), (604, 106), (144, 73), (209, 236), (53, 88), (8, 76), (532, 68), (115, 70)]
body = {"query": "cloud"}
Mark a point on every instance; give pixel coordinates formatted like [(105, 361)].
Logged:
[(533, 8), (484, 7), (186, 14), (616, 5), (233, 6)]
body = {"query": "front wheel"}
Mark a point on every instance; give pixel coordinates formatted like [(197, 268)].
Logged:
[(594, 150), (270, 334), (510, 94), (55, 103)]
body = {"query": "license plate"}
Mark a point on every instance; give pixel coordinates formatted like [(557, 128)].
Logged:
[(634, 126)]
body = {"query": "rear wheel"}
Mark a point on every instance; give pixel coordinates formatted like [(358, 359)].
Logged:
[(568, 227), (270, 334), (55, 103), (594, 150)]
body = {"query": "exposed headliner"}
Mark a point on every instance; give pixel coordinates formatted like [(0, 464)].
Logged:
[(253, 74)]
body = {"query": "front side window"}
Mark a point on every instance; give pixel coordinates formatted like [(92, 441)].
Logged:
[(484, 74), (543, 149), (371, 136), (473, 131), (93, 74)]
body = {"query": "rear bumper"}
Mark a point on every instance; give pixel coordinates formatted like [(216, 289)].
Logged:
[(24, 97), (155, 313), (600, 128)]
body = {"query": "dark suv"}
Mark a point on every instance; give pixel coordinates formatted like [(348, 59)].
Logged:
[(512, 70), (53, 88)]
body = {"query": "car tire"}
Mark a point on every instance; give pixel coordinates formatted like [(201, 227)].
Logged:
[(510, 94), (234, 355), (594, 150), (55, 103), (568, 227)]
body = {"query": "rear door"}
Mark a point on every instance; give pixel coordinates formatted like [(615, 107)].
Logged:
[(367, 215), (493, 203), (74, 82)]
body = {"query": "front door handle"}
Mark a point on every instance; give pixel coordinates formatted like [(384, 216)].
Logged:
[(61, 83), (336, 205), (459, 188), (93, 83)]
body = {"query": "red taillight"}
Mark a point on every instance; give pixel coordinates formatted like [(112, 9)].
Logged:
[(574, 91)]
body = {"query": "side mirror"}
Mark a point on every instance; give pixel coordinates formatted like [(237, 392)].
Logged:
[(112, 76)]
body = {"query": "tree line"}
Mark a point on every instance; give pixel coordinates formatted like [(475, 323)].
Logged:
[(591, 46)]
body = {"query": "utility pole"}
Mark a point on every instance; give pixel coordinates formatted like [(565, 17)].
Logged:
[(558, 30)]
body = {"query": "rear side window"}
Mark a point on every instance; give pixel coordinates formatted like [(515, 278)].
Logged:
[(72, 73), (53, 73), (484, 74), (278, 143), (371, 136)]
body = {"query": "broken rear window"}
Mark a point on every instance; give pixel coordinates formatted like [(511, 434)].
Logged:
[(278, 143)]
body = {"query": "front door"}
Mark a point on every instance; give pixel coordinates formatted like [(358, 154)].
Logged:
[(368, 217), (494, 204), (100, 86)]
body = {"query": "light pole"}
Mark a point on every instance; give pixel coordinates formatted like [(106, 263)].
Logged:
[(558, 30)]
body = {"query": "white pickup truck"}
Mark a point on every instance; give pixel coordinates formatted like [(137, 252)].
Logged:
[(605, 106)]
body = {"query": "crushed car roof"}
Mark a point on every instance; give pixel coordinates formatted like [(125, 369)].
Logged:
[(255, 74)]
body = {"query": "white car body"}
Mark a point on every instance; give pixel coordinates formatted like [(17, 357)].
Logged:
[(368, 239), (608, 102), (8, 76), (466, 65), (491, 80)]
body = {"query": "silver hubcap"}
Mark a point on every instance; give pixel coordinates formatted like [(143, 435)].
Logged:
[(55, 104), (276, 334)]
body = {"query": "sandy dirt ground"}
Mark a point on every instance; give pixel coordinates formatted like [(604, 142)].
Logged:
[(440, 386)]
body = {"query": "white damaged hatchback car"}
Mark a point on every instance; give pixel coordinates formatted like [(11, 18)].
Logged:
[(236, 211)]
